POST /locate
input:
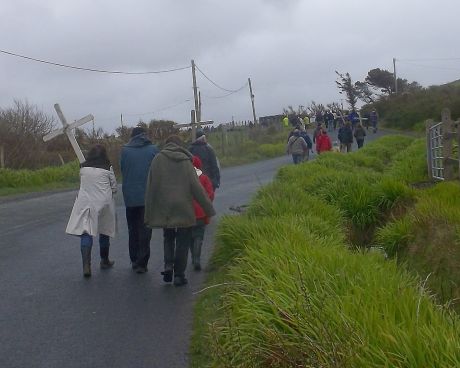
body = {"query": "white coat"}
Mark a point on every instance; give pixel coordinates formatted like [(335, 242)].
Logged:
[(94, 209)]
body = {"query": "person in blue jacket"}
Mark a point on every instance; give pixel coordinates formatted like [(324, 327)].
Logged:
[(354, 118), (136, 157)]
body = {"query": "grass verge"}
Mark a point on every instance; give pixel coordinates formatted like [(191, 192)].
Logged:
[(291, 293)]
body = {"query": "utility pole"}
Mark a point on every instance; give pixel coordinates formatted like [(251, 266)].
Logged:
[(2, 156), (252, 101), (195, 93), (394, 74), (121, 120), (199, 107)]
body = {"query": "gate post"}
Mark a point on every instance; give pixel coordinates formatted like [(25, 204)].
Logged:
[(447, 146), (429, 149)]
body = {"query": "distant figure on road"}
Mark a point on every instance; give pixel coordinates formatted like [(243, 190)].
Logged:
[(172, 185), (286, 121), (136, 157), (93, 212), (374, 120), (345, 136), (323, 142), (306, 138), (296, 147), (359, 134), (201, 219), (205, 152), (354, 118)]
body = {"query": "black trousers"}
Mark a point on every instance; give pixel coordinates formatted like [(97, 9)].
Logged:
[(139, 236), (176, 242)]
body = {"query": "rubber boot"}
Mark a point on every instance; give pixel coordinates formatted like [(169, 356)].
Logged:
[(196, 253), (105, 262), (86, 258)]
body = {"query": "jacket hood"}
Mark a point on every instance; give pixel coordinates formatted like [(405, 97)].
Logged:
[(139, 140), (176, 153)]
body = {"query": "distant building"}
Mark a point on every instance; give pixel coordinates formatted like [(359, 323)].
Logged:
[(270, 120)]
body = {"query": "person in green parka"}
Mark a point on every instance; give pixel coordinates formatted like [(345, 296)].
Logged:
[(172, 185)]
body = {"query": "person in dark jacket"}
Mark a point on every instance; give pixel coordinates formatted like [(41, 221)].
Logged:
[(345, 136), (172, 185), (204, 151), (359, 134), (136, 157)]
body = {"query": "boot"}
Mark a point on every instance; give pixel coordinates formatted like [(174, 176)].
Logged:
[(86, 258), (196, 253), (105, 262)]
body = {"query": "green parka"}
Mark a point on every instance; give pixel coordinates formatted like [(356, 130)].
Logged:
[(172, 185)]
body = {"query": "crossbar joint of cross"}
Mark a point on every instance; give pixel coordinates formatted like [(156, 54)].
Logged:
[(68, 130)]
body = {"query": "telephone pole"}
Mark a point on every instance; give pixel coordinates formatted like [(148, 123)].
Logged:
[(394, 74), (195, 93), (252, 101)]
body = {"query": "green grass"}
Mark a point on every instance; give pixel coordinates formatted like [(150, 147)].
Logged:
[(427, 239), (291, 293), (22, 181)]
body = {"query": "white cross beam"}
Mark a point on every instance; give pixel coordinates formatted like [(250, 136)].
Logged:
[(68, 130)]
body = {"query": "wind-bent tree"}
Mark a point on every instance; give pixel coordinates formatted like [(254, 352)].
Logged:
[(348, 88), (381, 80)]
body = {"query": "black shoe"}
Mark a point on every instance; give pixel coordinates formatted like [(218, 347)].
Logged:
[(141, 269), (180, 281), (134, 266), (197, 267), (167, 275)]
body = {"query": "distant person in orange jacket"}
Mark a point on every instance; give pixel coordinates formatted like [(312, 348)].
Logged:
[(201, 219), (323, 142)]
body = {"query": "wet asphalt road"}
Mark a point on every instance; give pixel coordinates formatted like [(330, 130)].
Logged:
[(50, 316)]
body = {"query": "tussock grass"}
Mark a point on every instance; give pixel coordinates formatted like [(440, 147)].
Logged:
[(427, 240), (290, 292)]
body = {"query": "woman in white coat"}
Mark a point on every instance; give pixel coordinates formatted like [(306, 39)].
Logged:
[(94, 210)]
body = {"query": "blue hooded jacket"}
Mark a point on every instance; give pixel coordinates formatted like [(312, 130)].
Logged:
[(136, 157)]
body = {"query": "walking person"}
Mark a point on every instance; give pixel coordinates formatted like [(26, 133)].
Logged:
[(201, 219), (172, 185), (374, 120), (359, 134), (93, 212), (205, 152), (345, 136), (136, 157), (323, 142), (306, 138), (296, 147)]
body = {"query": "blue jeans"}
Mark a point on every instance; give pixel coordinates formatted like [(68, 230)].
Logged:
[(86, 240)]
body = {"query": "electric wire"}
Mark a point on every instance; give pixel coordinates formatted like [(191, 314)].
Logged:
[(92, 69), (226, 95), (429, 66), (218, 86)]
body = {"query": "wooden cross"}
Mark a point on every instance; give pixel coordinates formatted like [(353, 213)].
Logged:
[(194, 124), (68, 130)]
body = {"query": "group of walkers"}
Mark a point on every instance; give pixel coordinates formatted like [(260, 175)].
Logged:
[(171, 189), (350, 128)]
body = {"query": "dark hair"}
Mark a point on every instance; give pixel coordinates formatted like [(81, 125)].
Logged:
[(137, 131), (174, 139), (97, 157)]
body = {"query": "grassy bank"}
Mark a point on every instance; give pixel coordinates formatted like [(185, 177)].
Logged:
[(290, 290), (24, 181)]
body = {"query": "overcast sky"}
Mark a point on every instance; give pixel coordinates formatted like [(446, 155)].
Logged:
[(289, 48)]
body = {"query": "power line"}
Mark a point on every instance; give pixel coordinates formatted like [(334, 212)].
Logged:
[(218, 86), (428, 66), (91, 69), (228, 94), (430, 59)]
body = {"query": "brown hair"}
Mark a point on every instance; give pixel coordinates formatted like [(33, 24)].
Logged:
[(174, 139)]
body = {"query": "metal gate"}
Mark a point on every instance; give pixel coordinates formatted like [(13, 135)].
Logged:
[(435, 151), (442, 143)]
